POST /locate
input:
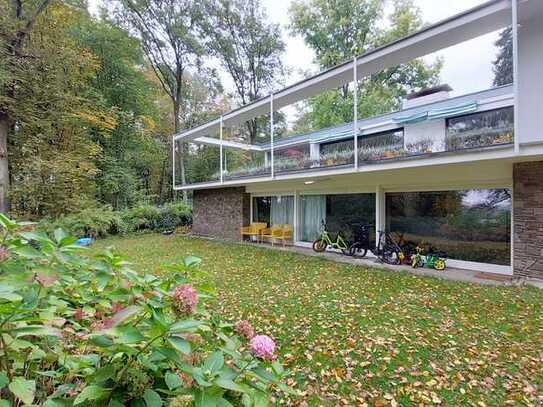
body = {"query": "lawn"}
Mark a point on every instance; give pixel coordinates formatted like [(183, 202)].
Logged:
[(352, 335)]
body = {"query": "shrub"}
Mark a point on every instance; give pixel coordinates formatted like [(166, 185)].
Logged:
[(92, 222), (150, 217), (103, 221), (90, 331)]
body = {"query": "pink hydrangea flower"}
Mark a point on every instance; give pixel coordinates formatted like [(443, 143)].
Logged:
[(185, 299), (263, 347), (245, 329)]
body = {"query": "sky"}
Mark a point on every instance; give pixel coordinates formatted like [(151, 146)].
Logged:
[(467, 67)]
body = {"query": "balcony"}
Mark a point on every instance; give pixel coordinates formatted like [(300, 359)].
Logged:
[(474, 122)]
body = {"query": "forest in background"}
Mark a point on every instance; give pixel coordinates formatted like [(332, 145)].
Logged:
[(88, 104)]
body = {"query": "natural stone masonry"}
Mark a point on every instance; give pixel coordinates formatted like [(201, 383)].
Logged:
[(220, 212), (528, 219)]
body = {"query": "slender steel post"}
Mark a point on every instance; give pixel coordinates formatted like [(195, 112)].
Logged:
[(514, 22), (272, 129), (173, 161), (355, 114), (221, 152)]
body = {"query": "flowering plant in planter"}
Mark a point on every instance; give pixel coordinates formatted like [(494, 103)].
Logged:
[(380, 153), (88, 330), (420, 146), (334, 158)]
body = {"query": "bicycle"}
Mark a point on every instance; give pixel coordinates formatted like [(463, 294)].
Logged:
[(325, 240), (386, 249)]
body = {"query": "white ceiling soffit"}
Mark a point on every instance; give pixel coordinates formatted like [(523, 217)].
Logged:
[(488, 17)]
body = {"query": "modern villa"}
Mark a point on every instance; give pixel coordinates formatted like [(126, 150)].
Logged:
[(462, 173)]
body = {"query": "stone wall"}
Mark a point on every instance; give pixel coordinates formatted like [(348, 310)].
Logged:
[(528, 219), (220, 212)]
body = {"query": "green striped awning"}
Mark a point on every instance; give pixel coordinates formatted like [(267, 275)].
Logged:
[(437, 113), (452, 111), (413, 118)]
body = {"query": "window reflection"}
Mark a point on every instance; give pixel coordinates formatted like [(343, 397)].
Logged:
[(473, 225)]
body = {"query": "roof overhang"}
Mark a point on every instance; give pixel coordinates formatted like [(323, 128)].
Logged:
[(483, 19)]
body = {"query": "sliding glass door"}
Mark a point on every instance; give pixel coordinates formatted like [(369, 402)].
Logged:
[(274, 210), (340, 212)]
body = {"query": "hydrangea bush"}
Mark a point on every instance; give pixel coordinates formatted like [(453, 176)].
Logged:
[(86, 330)]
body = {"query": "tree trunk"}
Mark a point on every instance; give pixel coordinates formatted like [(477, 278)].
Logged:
[(177, 128), (4, 168)]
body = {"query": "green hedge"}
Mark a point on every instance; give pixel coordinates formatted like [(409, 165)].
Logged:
[(103, 221)]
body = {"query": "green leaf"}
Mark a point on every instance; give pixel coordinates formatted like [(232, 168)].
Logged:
[(7, 293), (214, 362), (184, 325), (191, 261), (23, 389), (5, 403), (36, 330), (3, 379), (125, 314), (115, 403), (277, 368), (152, 399), (91, 393), (55, 403), (27, 252), (104, 373), (229, 385), (102, 341), (128, 334), (172, 380), (59, 235), (180, 344)]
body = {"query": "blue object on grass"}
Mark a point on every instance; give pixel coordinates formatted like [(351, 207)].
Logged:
[(84, 241)]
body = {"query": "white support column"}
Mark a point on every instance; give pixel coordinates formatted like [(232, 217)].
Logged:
[(514, 26), (295, 233), (174, 142), (516, 135), (355, 114), (221, 152), (272, 129), (380, 212)]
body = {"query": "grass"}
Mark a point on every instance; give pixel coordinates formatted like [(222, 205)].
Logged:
[(352, 335)]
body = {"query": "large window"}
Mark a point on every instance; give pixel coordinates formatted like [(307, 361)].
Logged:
[(337, 153), (274, 210), (340, 213), (381, 146), (292, 158), (473, 225), (482, 129)]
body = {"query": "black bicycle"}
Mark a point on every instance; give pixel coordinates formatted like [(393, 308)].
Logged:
[(386, 249)]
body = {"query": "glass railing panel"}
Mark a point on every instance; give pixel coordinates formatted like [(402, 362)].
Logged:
[(246, 149), (315, 134), (197, 161), (484, 129)]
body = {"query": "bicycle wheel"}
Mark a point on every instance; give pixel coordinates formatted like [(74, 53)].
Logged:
[(390, 255), (357, 250), (319, 245)]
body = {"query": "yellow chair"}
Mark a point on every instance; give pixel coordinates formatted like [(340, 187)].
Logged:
[(253, 229), (284, 235), (270, 233)]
